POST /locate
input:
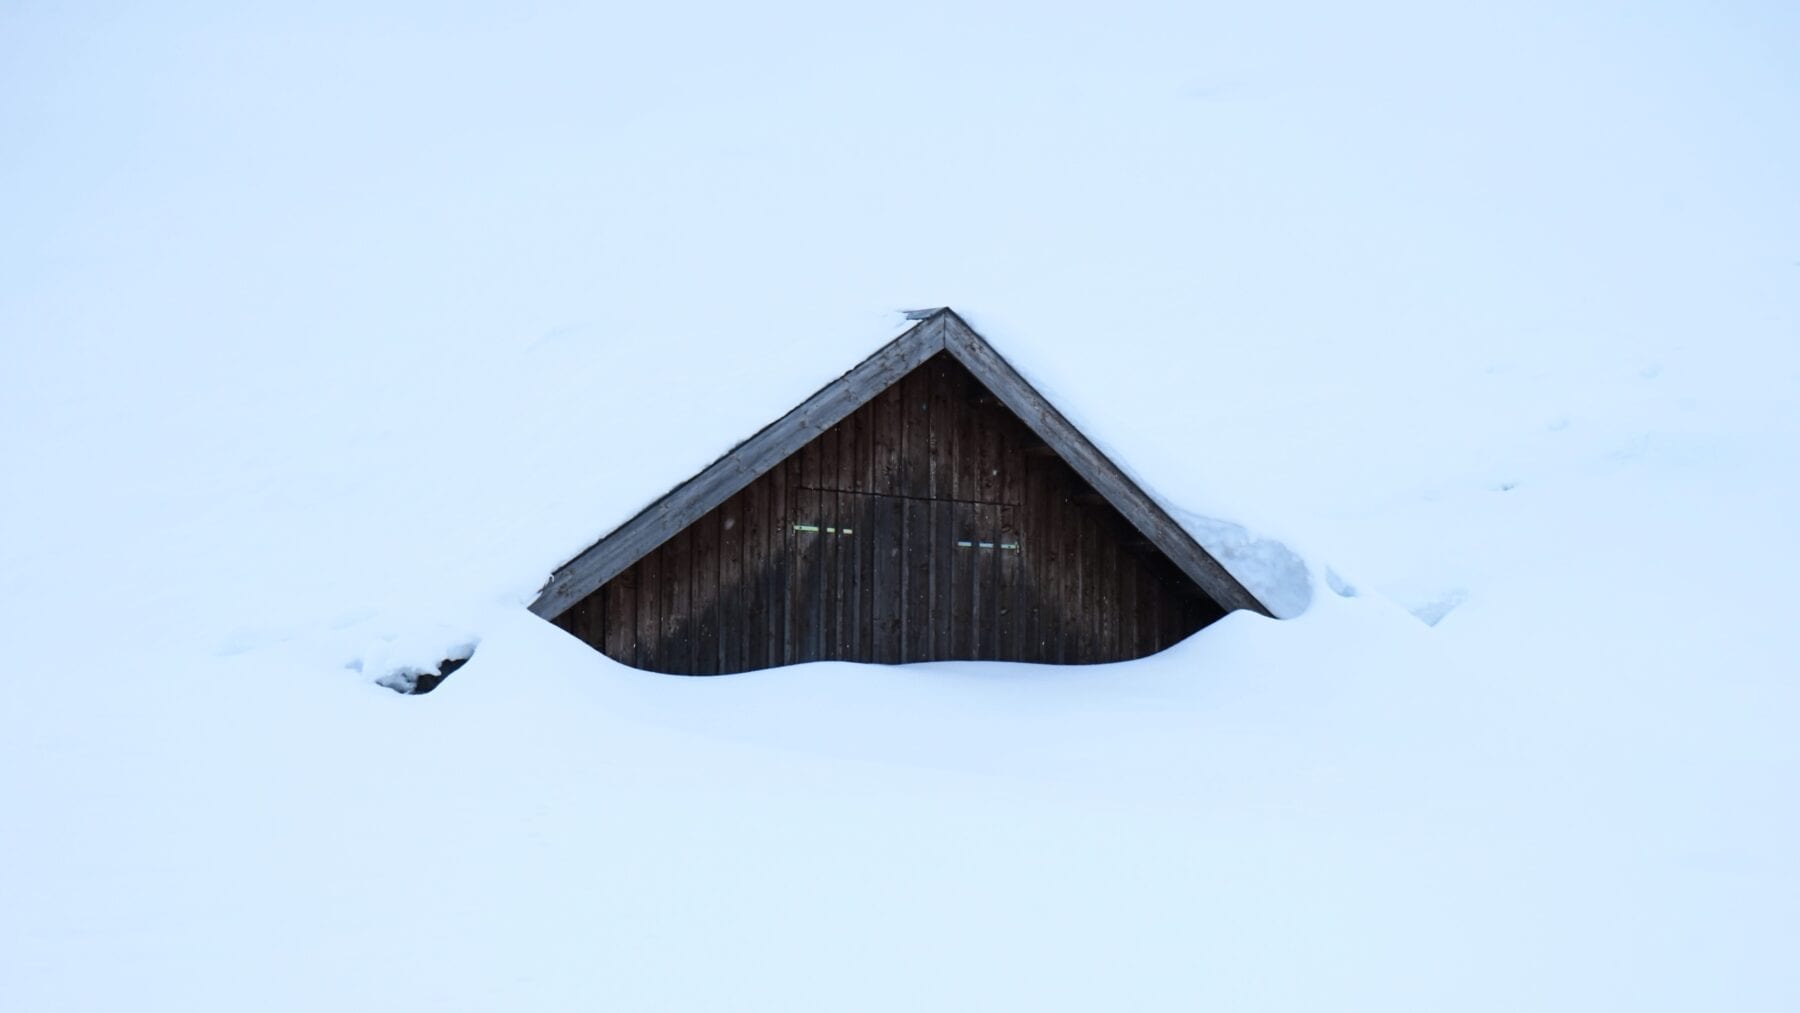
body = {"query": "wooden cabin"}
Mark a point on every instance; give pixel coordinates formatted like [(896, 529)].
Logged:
[(929, 505)]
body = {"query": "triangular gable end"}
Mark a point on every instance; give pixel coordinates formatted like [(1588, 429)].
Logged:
[(963, 365)]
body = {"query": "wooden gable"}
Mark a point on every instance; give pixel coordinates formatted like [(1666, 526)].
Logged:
[(928, 506)]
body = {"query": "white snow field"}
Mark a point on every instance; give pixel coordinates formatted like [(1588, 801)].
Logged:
[(328, 333)]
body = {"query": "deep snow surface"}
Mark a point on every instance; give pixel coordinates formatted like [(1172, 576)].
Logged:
[(328, 335)]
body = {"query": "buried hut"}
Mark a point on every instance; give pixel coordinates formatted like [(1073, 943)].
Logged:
[(929, 505)]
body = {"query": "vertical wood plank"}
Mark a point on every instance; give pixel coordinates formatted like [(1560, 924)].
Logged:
[(825, 505), (1169, 612), (915, 434), (621, 618), (1077, 614), (967, 438), (1042, 550), (961, 611), (915, 619), (840, 597), (808, 459), (1033, 547), (938, 421), (849, 570), (861, 591), (887, 532), (864, 580), (781, 545), (1129, 568), (884, 475), (1149, 619), (730, 602), (1006, 592), (948, 417), (831, 540), (859, 437), (1156, 610), (980, 628), (915, 514), (1104, 573), (1010, 459), (1178, 613), (803, 583), (988, 467), (1068, 579), (1090, 588), (942, 553), (678, 634), (649, 616), (989, 556), (975, 448), (755, 629), (842, 580), (847, 436), (703, 594), (1014, 633)]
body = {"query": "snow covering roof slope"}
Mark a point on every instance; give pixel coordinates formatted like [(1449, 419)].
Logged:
[(315, 324)]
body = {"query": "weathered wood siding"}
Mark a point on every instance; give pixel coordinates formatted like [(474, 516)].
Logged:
[(929, 524)]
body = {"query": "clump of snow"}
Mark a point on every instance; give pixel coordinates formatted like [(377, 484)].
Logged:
[(1434, 610), (414, 679), (1268, 569)]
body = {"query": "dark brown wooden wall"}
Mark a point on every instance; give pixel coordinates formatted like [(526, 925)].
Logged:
[(928, 525)]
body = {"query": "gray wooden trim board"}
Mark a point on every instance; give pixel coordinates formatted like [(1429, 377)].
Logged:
[(937, 331)]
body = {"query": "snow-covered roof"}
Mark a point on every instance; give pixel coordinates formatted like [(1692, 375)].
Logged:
[(936, 331)]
